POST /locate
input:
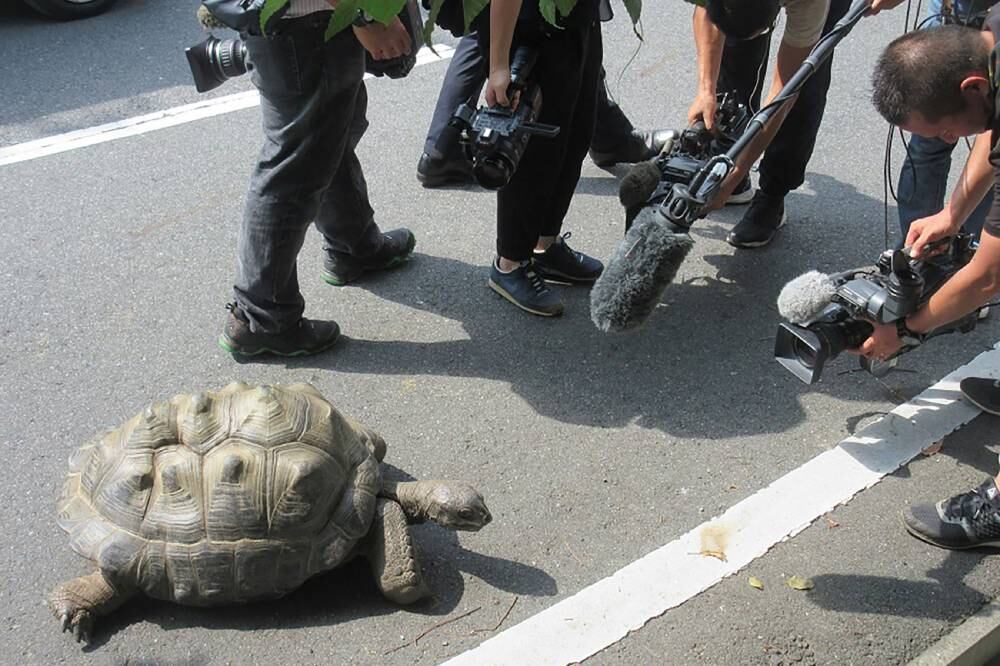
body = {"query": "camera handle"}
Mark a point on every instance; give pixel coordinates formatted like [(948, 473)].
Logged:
[(684, 204)]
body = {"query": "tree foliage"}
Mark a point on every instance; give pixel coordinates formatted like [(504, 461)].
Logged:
[(385, 10)]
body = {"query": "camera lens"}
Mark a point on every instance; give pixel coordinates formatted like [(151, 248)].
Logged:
[(805, 354), (214, 61), (492, 172)]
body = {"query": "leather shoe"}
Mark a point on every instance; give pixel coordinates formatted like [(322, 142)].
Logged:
[(640, 145), (438, 171)]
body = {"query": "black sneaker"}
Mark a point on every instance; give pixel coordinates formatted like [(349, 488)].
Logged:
[(440, 171), (526, 289), (969, 520), (761, 221), (561, 263), (982, 392), (742, 194), (340, 269), (307, 337), (638, 147)]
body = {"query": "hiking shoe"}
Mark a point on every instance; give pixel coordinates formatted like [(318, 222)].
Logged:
[(340, 268), (742, 194), (638, 147), (306, 337), (440, 171), (526, 289), (968, 520), (561, 263), (982, 392), (759, 224)]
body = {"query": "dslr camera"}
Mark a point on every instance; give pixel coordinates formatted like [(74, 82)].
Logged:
[(687, 151), (495, 138), (214, 61), (831, 313)]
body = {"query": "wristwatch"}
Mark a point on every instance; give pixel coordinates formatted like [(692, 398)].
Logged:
[(906, 336), (363, 19)]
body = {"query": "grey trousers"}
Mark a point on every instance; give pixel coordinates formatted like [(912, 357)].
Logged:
[(313, 104)]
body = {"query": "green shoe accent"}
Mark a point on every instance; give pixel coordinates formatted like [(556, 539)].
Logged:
[(330, 278)]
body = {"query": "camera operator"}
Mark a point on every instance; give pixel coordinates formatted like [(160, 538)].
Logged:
[(942, 83), (313, 105), (733, 38), (531, 207)]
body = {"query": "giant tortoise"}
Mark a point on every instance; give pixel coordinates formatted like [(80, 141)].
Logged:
[(241, 495)]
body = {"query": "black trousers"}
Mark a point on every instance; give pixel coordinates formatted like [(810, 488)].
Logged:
[(744, 64), (464, 81), (537, 197)]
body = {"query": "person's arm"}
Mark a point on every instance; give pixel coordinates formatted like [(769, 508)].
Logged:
[(975, 182), (383, 42), (503, 19), (879, 5), (709, 43)]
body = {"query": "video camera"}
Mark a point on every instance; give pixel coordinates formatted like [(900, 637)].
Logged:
[(831, 313), (214, 61), (495, 138), (687, 151)]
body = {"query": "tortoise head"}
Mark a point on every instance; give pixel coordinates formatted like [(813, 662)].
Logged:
[(456, 505)]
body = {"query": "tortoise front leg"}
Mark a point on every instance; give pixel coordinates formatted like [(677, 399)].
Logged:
[(390, 554), (78, 602)]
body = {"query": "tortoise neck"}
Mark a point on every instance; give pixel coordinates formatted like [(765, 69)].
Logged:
[(411, 495)]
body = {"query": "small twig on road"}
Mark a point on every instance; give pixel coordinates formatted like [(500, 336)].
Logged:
[(573, 555), (430, 629), (502, 620)]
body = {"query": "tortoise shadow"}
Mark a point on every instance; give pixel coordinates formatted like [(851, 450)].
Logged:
[(346, 593)]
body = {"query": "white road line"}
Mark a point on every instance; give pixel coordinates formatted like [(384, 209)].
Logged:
[(60, 143), (604, 613)]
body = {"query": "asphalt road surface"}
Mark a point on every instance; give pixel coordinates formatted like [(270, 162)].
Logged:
[(591, 450)]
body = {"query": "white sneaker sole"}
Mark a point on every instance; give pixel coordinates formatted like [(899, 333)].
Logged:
[(503, 292), (737, 199)]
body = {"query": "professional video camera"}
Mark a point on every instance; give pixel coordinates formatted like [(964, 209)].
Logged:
[(831, 313), (495, 138), (214, 61), (683, 156)]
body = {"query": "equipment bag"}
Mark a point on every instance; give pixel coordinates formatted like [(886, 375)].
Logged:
[(242, 15)]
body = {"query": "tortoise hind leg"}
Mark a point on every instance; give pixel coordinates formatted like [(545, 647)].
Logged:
[(390, 554), (77, 603)]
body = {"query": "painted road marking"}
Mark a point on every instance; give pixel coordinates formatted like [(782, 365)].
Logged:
[(604, 613), (179, 115)]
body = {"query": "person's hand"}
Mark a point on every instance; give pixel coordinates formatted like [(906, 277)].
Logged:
[(703, 109), (384, 42), (927, 230), (879, 5), (881, 344), (496, 88)]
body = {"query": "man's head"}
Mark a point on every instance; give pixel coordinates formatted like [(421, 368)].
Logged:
[(935, 83), (742, 19)]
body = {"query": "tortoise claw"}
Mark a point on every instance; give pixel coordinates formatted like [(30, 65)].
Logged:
[(64, 619)]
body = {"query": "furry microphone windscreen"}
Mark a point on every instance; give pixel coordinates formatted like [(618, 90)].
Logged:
[(805, 297), (639, 184), (643, 264)]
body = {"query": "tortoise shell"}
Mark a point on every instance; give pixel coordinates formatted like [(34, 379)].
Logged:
[(223, 497)]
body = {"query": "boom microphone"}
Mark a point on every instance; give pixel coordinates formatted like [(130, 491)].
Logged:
[(644, 263), (805, 297)]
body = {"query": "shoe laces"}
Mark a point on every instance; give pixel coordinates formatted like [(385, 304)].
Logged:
[(535, 280), (969, 505), (576, 255)]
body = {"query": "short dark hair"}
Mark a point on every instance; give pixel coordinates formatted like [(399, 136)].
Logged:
[(740, 19), (923, 70)]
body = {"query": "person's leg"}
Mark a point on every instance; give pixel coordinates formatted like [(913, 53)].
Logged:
[(615, 139), (783, 166), (923, 180), (967, 520), (443, 160)]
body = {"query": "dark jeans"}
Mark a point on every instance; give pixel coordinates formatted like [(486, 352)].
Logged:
[(313, 106), (464, 81), (537, 197), (744, 64)]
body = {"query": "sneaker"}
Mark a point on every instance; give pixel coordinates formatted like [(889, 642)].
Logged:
[(561, 263), (340, 268), (983, 314), (759, 224), (982, 392), (306, 337), (742, 194), (638, 147), (439, 171), (968, 520), (526, 289)]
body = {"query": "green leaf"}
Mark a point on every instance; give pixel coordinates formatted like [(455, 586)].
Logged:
[(382, 11), (471, 9), (756, 583), (634, 8), (343, 15), (548, 10), (431, 18), (270, 8), (565, 6), (799, 583)]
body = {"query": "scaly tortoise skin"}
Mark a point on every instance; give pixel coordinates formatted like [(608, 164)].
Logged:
[(241, 495)]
